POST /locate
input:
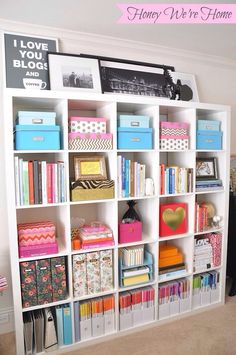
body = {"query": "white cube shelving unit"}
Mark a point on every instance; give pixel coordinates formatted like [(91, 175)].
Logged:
[(110, 211)]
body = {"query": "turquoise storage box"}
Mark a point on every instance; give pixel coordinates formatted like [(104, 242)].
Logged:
[(33, 137), (208, 125), (209, 140), (133, 121), (36, 118), (134, 138)]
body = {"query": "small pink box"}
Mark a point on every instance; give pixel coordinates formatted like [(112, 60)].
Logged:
[(130, 232), (38, 250)]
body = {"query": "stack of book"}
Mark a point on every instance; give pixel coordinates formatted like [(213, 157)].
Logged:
[(171, 262), (133, 256), (175, 180), (202, 254), (131, 178), (95, 237), (204, 185), (39, 182)]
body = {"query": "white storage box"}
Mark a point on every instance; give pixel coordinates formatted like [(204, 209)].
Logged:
[(85, 329), (215, 294), (148, 314), (164, 310), (174, 307), (97, 325), (184, 304), (205, 297), (109, 323), (126, 321)]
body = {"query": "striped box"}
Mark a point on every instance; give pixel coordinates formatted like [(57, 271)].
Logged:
[(36, 233), (90, 141)]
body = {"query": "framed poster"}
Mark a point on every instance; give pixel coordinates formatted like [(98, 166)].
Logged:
[(73, 73), (26, 61)]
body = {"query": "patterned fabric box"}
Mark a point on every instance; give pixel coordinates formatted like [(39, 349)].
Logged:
[(92, 190), (28, 284), (106, 267), (59, 285), (93, 273), (79, 275), (90, 141), (36, 233), (87, 124), (216, 243), (174, 135), (44, 281), (181, 143)]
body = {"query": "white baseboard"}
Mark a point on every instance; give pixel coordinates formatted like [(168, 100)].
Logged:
[(7, 320)]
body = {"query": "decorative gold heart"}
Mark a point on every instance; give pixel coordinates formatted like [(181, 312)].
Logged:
[(172, 218)]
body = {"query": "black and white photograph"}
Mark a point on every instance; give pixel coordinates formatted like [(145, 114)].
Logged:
[(206, 168), (135, 79), (69, 72), (184, 87)]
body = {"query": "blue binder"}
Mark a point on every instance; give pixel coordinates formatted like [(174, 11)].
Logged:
[(67, 326), (59, 316)]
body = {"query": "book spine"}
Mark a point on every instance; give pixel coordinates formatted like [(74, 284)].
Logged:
[(126, 178), (17, 181), (25, 183), (132, 178), (44, 182), (49, 183), (40, 181), (123, 177), (36, 182), (119, 175), (63, 185), (31, 182), (21, 181)]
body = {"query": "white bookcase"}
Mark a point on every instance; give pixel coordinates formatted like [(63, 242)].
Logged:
[(110, 211)]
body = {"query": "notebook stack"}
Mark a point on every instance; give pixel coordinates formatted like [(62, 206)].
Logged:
[(171, 261)]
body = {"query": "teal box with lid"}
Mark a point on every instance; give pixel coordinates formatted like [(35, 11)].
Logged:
[(34, 137), (133, 121), (36, 118), (208, 125), (209, 140), (134, 138)]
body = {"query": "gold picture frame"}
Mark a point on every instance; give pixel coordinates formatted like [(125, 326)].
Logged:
[(90, 168)]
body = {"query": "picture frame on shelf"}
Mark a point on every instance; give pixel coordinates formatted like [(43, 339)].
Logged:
[(185, 87), (90, 167), (74, 73), (26, 60), (206, 169)]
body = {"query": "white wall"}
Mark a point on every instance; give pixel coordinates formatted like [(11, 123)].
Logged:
[(216, 81)]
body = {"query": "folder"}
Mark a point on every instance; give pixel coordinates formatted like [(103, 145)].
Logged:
[(50, 337), (28, 332), (38, 331), (59, 318), (77, 325), (67, 326)]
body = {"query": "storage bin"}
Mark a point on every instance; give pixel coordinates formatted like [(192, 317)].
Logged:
[(174, 307), (215, 294), (148, 314), (184, 304), (197, 299), (90, 141), (91, 194), (97, 325), (133, 121), (205, 297), (174, 143), (37, 250), (137, 315), (85, 329), (164, 310), (208, 125), (130, 232), (176, 129), (209, 140), (33, 137), (36, 118), (87, 124), (126, 320), (36, 233), (109, 322), (134, 138)]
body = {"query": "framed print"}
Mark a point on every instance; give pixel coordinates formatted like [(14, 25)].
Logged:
[(90, 168), (184, 87), (26, 61), (71, 72), (206, 169), (124, 78)]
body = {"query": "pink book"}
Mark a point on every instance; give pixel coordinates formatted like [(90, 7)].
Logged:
[(49, 183)]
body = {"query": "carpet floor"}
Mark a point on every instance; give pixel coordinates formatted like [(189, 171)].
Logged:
[(209, 333)]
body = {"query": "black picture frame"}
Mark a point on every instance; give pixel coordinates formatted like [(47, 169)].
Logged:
[(133, 77), (206, 168)]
